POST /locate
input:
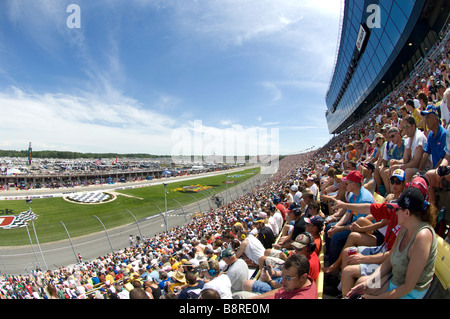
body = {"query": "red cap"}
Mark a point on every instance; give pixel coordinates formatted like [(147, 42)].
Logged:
[(421, 184), (353, 176)]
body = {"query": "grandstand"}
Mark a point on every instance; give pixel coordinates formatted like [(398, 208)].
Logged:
[(369, 82), (366, 73)]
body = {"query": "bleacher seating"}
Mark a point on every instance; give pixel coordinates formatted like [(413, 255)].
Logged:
[(440, 287), (320, 279)]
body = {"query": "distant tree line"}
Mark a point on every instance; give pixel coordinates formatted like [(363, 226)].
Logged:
[(74, 155), (77, 155)]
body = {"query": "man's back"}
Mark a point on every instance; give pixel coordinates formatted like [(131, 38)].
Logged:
[(221, 284), (238, 273), (254, 249)]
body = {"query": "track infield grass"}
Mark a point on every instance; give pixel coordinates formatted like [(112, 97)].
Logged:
[(79, 218)]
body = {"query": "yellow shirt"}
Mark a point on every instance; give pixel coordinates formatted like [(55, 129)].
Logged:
[(417, 117), (110, 278)]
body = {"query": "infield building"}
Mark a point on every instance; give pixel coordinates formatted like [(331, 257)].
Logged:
[(380, 44)]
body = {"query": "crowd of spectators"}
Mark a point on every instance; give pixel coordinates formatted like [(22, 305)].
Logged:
[(185, 259), (365, 198)]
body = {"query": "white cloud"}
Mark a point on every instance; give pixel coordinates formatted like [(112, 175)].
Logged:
[(87, 122), (225, 122), (234, 22), (295, 39)]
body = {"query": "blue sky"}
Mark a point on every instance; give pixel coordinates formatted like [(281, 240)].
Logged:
[(140, 75)]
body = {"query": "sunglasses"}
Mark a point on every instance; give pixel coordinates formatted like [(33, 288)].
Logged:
[(288, 278), (392, 136), (396, 181)]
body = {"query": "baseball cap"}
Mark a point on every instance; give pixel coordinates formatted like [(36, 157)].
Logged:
[(294, 188), (431, 109), (227, 253), (301, 241), (399, 173), (353, 176), (369, 165), (421, 184), (261, 218), (412, 199), (315, 220)]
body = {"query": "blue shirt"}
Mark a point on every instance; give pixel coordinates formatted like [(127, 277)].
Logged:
[(436, 145), (396, 152), (95, 280), (364, 196), (163, 283)]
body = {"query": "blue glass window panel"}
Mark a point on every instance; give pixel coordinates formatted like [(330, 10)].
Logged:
[(376, 63), (377, 32), (355, 28), (384, 14), (386, 44), (386, 4), (358, 6), (392, 31), (372, 73), (398, 17), (406, 6), (382, 56), (370, 49)]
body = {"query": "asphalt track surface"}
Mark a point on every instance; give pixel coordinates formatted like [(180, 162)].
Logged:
[(22, 259)]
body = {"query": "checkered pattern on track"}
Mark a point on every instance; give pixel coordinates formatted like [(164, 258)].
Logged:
[(94, 197)]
